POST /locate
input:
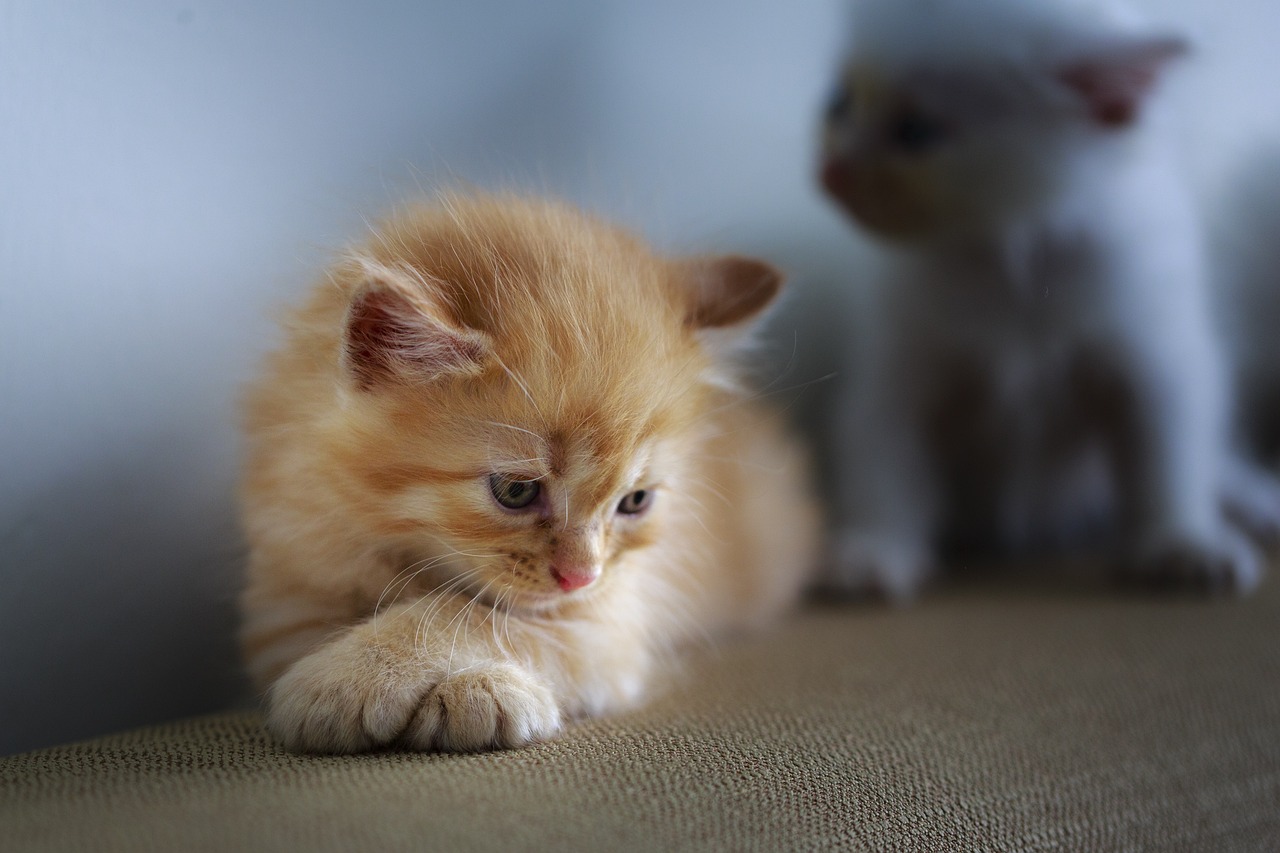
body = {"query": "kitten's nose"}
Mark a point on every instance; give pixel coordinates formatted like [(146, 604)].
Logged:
[(571, 577), (834, 176)]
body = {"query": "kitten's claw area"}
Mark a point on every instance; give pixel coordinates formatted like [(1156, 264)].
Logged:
[(339, 700), (1228, 565), (491, 707), (867, 563)]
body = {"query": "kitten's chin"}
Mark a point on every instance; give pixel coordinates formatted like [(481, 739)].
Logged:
[(534, 603), (542, 603)]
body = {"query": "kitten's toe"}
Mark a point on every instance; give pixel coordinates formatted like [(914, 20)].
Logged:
[(324, 703), (490, 707), (862, 563), (1225, 564)]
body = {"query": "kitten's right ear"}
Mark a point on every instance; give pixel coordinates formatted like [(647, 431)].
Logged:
[(1114, 80), (729, 291), (394, 332)]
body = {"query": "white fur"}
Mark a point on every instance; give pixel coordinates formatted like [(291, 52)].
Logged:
[(1080, 319)]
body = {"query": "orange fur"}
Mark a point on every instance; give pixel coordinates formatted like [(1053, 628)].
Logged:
[(391, 600)]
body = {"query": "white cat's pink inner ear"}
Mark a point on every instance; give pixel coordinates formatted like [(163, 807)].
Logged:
[(1114, 82), (728, 291), (390, 337)]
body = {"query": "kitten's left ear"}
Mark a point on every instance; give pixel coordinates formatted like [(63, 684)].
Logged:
[(1114, 79), (728, 292)]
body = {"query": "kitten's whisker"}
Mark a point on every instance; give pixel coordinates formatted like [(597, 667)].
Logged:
[(743, 399), (520, 383), (412, 570), (438, 600), (517, 429), (462, 618), (379, 617)]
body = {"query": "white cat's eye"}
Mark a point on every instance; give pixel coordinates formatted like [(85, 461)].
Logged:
[(512, 493), (636, 502), (915, 133)]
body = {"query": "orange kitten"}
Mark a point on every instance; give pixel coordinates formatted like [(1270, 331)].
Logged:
[(500, 467)]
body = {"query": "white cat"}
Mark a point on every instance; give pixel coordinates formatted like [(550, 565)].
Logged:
[(1041, 366)]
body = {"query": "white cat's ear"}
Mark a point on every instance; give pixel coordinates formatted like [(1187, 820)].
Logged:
[(1114, 80), (395, 332), (728, 292)]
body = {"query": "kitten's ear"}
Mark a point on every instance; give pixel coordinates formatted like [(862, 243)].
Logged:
[(1113, 80), (727, 292), (395, 332)]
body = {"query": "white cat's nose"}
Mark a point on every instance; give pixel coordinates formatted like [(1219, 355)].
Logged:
[(834, 176)]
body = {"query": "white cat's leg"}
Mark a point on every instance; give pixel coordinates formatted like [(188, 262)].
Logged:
[(888, 503), (1171, 456)]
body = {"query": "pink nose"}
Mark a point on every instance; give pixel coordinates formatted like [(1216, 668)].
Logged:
[(835, 177), (573, 577)]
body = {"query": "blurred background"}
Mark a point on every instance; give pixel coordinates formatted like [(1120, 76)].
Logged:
[(172, 173)]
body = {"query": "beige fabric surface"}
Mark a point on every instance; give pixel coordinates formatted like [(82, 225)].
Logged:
[(996, 715)]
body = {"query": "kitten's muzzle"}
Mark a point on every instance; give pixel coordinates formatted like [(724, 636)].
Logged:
[(874, 197)]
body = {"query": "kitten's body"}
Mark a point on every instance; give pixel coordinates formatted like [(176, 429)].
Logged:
[(391, 600), (1042, 369)]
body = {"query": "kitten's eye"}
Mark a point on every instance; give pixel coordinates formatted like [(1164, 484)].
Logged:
[(636, 502), (916, 134), (839, 105), (513, 493)]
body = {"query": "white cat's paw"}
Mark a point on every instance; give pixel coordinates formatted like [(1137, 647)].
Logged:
[(493, 706), (349, 698), (863, 562), (1226, 563)]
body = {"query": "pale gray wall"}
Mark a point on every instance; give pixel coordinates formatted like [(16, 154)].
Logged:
[(171, 172)]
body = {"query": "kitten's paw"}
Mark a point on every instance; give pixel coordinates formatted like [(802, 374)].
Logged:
[(1228, 563), (862, 562), (493, 706), (338, 700), (349, 697)]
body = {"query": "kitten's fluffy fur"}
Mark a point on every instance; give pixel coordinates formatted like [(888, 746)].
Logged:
[(1041, 368), (391, 599)]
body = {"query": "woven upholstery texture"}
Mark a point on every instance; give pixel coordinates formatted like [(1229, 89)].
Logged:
[(1001, 715)]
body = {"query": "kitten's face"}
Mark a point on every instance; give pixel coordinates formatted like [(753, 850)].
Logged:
[(529, 510), (958, 118), (935, 152), (522, 388)]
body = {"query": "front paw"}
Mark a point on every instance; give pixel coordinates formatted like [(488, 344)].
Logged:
[(347, 698), (1225, 563), (488, 707), (893, 567)]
